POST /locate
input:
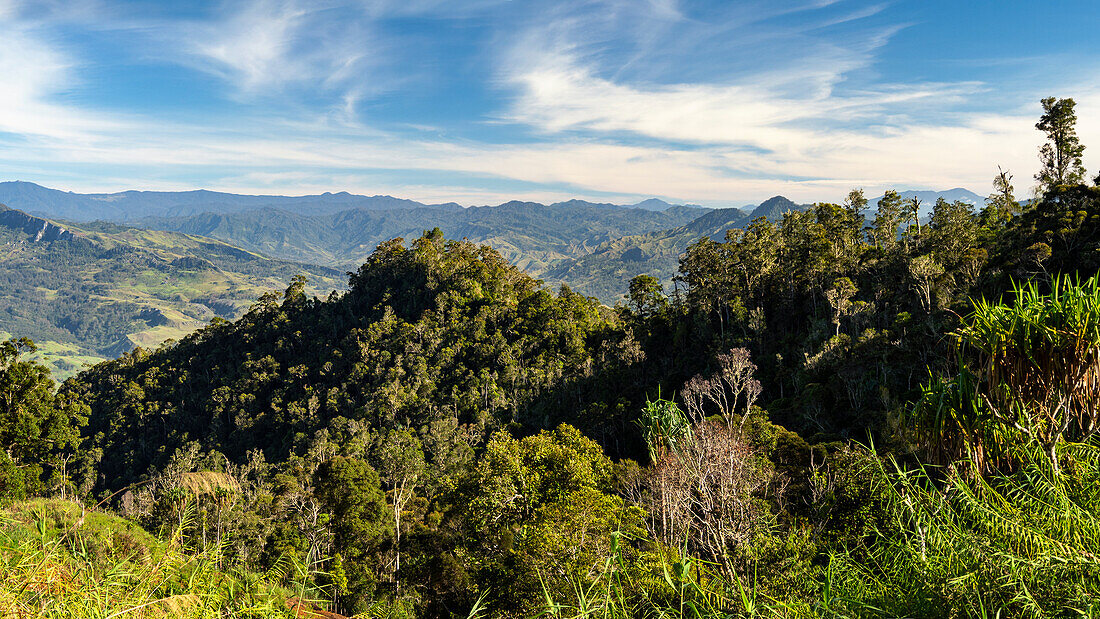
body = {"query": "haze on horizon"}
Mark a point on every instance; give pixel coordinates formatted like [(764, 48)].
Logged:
[(716, 103)]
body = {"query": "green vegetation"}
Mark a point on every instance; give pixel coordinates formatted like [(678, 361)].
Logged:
[(532, 236), (836, 416), (60, 560), (97, 290)]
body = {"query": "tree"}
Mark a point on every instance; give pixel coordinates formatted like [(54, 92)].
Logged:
[(401, 464), (36, 427), (884, 229), (349, 491), (925, 271), (1061, 155), (952, 232), (912, 213), (539, 512), (855, 204), (646, 295), (1001, 205), (840, 299)]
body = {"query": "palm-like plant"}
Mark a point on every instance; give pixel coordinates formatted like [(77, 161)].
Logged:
[(664, 426), (1034, 375)]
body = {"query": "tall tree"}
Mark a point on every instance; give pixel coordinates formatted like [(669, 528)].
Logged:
[(646, 296), (884, 230), (1001, 205), (911, 212), (1061, 155), (349, 491), (855, 204)]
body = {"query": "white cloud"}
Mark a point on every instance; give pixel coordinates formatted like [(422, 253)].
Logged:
[(604, 130), (35, 74), (255, 43)]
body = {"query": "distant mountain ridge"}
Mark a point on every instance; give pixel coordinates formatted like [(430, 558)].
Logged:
[(532, 236), (928, 199), (127, 206), (130, 205)]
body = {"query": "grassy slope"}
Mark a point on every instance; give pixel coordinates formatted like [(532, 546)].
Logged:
[(113, 288), (60, 560)]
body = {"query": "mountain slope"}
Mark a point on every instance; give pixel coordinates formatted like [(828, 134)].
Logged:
[(530, 235), (87, 291), (606, 272)]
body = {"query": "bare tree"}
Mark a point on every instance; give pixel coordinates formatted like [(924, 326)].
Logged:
[(706, 496)]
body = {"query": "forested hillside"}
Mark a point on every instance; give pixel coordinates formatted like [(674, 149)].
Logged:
[(87, 292), (605, 273), (835, 416), (531, 236)]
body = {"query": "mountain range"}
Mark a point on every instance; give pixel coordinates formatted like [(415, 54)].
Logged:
[(928, 200), (160, 264), (127, 206), (530, 235), (605, 272)]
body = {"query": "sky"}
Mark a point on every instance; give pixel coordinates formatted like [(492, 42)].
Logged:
[(718, 103)]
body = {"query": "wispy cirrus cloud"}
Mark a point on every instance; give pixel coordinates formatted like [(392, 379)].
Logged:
[(718, 103)]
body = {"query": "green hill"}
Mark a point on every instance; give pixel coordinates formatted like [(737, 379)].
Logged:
[(532, 236), (86, 292), (606, 272)]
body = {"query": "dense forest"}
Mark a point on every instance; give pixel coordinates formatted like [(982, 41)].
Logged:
[(829, 415)]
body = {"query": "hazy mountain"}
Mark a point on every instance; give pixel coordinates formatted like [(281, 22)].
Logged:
[(928, 199), (126, 206), (606, 272), (131, 205), (85, 292), (533, 236)]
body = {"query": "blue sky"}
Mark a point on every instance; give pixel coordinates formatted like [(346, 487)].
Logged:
[(718, 103)]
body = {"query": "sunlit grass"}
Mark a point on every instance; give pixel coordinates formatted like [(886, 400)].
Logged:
[(60, 560)]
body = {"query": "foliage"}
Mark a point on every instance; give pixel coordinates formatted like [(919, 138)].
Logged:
[(1020, 544), (59, 560), (539, 513), (39, 430), (1033, 377), (348, 491), (1060, 156), (450, 438)]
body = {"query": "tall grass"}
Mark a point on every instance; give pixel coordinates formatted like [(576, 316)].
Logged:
[(1019, 544), (61, 561), (1029, 371), (666, 586)]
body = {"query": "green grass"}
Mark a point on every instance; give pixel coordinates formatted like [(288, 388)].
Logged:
[(61, 560)]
